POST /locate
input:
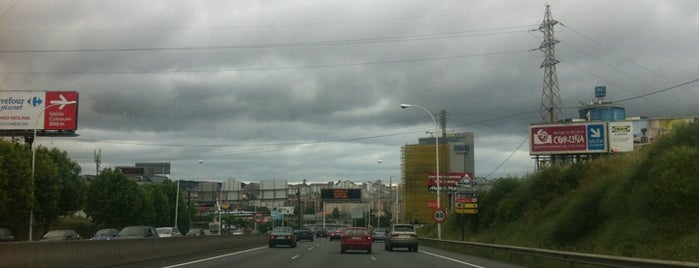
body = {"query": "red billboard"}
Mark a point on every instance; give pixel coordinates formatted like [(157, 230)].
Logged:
[(41, 110)]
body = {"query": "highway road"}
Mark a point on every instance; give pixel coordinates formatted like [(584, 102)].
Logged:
[(324, 253)]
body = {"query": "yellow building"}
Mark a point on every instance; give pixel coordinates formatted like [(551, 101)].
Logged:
[(455, 155)]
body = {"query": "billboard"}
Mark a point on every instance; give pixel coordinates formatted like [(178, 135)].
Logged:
[(41, 110), (590, 137), (341, 194), (621, 136), (452, 181)]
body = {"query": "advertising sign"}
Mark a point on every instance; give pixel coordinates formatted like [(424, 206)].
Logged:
[(621, 136), (568, 138), (450, 181), (41, 110)]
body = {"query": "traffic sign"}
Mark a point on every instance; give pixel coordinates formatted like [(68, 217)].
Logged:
[(258, 217), (467, 210), (439, 215)]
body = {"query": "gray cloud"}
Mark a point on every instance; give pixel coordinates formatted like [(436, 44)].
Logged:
[(311, 89)]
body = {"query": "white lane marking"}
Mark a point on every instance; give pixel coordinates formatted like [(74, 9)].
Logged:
[(450, 259), (215, 257), (311, 248), (372, 257), (294, 257)]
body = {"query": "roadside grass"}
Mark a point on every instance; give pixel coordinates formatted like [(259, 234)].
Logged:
[(643, 204)]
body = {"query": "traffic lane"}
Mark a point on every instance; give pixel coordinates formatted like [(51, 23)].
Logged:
[(324, 253), (281, 255)]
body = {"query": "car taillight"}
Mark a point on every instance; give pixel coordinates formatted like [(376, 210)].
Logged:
[(271, 237)]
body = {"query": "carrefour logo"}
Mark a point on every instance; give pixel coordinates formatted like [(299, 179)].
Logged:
[(35, 101)]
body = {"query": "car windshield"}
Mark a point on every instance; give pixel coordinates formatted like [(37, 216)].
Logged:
[(282, 230), (104, 232), (132, 231), (404, 228), (356, 232), (55, 234)]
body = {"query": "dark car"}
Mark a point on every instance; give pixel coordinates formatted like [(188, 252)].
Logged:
[(356, 238), (336, 234), (6, 235), (137, 232), (195, 232), (105, 234), (304, 234), (379, 234), (282, 236), (402, 236), (61, 235), (321, 233)]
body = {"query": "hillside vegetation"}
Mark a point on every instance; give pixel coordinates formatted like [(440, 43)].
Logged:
[(643, 204)]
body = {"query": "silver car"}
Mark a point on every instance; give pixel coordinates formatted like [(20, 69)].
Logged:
[(402, 236)]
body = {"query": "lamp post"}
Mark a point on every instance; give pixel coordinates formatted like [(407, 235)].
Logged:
[(62, 103), (177, 203), (436, 149)]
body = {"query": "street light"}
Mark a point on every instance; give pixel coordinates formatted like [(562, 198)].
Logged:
[(62, 104), (436, 149)]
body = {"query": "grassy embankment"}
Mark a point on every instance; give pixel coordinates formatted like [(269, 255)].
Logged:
[(643, 204)]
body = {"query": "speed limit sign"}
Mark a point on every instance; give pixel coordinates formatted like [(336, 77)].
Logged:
[(258, 217), (439, 215)]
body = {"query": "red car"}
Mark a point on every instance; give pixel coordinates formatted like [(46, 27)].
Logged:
[(356, 238)]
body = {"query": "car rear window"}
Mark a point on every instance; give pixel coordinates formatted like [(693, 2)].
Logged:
[(404, 228)]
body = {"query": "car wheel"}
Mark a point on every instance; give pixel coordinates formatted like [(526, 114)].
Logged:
[(271, 245), (342, 251), (311, 239), (415, 248), (368, 251)]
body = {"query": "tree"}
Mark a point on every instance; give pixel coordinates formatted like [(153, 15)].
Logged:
[(15, 187), (114, 200)]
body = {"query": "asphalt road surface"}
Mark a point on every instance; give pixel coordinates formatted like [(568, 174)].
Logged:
[(324, 253)]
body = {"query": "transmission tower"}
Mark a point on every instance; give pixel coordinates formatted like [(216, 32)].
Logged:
[(550, 99)]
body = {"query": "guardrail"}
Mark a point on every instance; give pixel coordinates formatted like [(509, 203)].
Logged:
[(87, 253), (561, 256)]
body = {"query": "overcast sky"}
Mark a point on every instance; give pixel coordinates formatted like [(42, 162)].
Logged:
[(311, 89)]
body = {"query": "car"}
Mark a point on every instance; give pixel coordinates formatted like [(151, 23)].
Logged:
[(282, 236), (138, 232), (336, 234), (379, 234), (238, 232), (304, 234), (196, 231), (402, 236), (61, 235), (6, 235), (356, 238), (168, 232), (105, 234), (321, 233)]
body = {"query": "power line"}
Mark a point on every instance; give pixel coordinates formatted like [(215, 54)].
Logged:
[(405, 38)]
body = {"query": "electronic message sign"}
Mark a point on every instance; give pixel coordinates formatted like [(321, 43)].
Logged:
[(41, 110), (341, 194)]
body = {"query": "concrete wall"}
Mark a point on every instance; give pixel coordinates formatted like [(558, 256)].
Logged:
[(88, 253)]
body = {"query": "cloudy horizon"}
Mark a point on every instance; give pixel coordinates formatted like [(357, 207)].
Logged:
[(311, 90)]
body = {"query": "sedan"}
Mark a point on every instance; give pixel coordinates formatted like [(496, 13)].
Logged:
[(105, 234), (337, 234), (60, 235), (356, 238), (282, 236)]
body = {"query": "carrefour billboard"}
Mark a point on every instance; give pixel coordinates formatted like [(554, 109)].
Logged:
[(589, 137), (41, 110)]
